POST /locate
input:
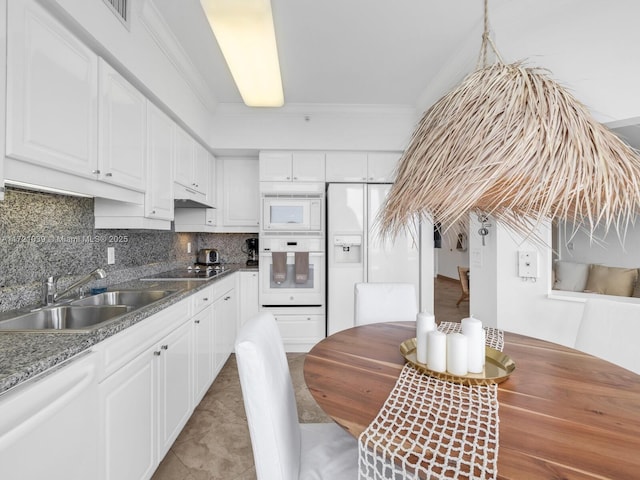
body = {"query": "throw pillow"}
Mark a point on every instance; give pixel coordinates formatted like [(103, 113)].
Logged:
[(611, 280), (571, 276)]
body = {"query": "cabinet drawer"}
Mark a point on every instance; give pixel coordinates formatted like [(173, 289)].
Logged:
[(202, 299), (126, 345), (301, 328), (224, 285)]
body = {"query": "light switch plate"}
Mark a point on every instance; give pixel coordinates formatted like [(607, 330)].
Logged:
[(528, 264)]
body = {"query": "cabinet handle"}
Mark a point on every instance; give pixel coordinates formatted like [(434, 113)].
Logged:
[(164, 347), (97, 172), (288, 178), (108, 174), (227, 298), (196, 321), (156, 353), (205, 299), (295, 178), (153, 212)]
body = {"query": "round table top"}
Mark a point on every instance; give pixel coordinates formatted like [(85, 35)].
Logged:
[(563, 413)]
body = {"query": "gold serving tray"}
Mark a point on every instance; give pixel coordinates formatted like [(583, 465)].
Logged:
[(498, 366)]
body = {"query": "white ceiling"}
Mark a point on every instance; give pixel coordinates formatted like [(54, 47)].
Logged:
[(369, 52), (355, 52)]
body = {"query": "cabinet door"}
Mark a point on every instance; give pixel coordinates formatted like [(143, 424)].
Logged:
[(346, 167), (248, 303), (308, 167), (159, 194), (128, 415), (174, 385), (201, 165), (49, 427), (212, 193), (241, 194), (183, 158), (52, 93), (224, 328), (381, 166), (202, 353), (122, 133), (275, 167)]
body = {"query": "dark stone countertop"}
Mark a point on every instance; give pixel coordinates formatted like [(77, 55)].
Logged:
[(24, 355)]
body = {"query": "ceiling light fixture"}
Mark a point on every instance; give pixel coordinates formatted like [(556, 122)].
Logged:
[(512, 143), (244, 31)]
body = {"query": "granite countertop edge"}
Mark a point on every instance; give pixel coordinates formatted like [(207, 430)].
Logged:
[(27, 355)]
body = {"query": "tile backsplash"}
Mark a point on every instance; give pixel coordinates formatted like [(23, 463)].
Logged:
[(43, 234)]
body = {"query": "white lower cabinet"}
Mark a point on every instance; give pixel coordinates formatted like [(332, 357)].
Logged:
[(203, 357), (114, 413), (147, 400), (300, 332), (248, 302), (128, 416), (49, 426), (174, 385), (225, 314)]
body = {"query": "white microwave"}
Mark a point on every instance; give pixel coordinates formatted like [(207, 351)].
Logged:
[(281, 213)]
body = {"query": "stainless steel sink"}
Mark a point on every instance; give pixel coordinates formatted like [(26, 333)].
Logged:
[(133, 298), (65, 317)]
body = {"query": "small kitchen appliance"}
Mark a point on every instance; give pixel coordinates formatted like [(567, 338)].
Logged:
[(208, 256), (251, 249)]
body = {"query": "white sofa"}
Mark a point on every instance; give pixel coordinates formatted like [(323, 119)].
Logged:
[(595, 278)]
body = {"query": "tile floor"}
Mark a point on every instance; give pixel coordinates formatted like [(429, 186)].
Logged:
[(215, 443)]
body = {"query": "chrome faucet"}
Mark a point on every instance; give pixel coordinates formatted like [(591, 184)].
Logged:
[(50, 286)]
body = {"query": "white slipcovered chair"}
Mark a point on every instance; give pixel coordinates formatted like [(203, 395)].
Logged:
[(610, 330), (284, 449), (384, 302)]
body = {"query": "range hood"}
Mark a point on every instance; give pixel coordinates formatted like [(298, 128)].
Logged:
[(185, 197)]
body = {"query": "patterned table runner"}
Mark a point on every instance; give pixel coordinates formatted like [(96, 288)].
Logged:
[(432, 429)]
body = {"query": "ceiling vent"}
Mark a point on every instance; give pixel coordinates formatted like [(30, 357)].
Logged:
[(120, 9)]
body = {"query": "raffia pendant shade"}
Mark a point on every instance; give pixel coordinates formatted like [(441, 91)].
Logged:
[(510, 142)]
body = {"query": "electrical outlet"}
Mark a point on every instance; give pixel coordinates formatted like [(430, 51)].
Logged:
[(188, 247), (111, 255)]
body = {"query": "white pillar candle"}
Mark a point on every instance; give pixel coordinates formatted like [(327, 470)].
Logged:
[(472, 329), (425, 322), (437, 351), (457, 354)]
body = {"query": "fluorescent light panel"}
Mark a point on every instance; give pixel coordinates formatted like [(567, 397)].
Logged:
[(244, 30)]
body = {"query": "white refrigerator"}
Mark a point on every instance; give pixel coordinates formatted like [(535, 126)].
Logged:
[(356, 253)]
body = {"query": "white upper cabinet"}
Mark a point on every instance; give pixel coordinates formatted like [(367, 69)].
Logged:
[(346, 166), (240, 193), (376, 167), (381, 166), (121, 140), (184, 158), (52, 93), (159, 194), (292, 166), (191, 165)]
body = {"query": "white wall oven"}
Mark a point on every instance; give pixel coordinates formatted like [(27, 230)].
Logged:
[(292, 272)]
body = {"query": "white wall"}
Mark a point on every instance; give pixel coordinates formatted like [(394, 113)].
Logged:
[(314, 127), (499, 297), (608, 250), (448, 259)]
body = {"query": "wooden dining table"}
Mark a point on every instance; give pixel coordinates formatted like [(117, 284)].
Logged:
[(563, 414)]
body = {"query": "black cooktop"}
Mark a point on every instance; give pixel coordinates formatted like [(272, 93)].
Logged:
[(196, 272)]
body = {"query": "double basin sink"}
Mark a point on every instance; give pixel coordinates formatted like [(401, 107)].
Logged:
[(85, 313)]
